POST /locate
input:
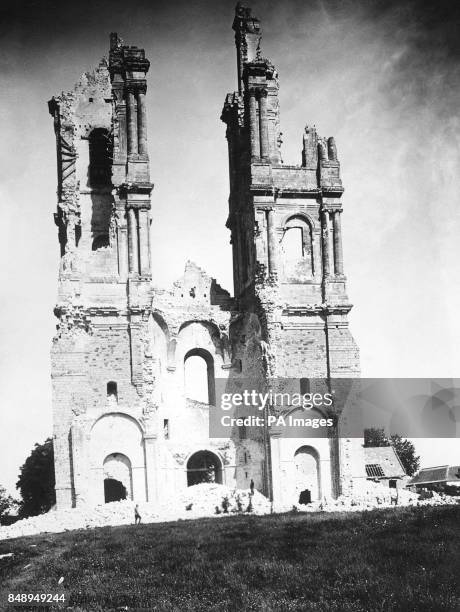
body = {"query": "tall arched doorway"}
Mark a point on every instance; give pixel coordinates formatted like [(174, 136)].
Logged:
[(307, 476), (204, 466), (118, 478)]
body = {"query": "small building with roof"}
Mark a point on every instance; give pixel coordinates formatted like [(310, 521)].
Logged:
[(383, 465), (443, 479)]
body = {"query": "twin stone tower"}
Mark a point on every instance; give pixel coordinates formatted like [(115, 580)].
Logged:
[(135, 368)]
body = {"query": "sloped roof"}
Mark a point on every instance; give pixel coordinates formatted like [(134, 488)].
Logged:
[(440, 474), (453, 474), (386, 458)]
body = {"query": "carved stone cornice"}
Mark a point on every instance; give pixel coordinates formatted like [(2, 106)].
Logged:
[(140, 188), (320, 309), (136, 86)]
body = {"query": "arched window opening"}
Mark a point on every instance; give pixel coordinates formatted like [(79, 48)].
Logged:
[(112, 390), (204, 466), (100, 157), (118, 480), (199, 376), (293, 244), (307, 477), (297, 249)]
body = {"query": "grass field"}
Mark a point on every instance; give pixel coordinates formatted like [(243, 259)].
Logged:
[(399, 559)]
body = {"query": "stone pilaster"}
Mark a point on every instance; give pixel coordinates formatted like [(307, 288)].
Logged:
[(141, 123), (338, 255), (150, 447), (132, 122), (325, 242), (263, 124), (253, 126), (144, 241), (271, 242), (133, 243), (122, 252)]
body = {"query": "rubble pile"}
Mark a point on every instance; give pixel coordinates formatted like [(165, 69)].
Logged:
[(210, 499), (54, 521), (204, 500), (376, 495), (197, 501)]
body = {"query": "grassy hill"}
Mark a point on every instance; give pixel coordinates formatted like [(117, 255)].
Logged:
[(400, 559)]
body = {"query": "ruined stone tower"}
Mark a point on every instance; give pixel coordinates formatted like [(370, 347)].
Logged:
[(127, 422), (103, 216), (289, 278)]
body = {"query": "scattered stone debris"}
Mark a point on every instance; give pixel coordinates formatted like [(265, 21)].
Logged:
[(204, 500)]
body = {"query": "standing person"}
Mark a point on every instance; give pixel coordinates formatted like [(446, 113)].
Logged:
[(394, 496), (251, 487), (137, 516)]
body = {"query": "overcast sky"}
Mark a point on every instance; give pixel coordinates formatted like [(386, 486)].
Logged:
[(381, 76)]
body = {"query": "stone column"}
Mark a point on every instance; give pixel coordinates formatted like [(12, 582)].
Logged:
[(263, 124), (276, 468), (271, 242), (338, 256), (133, 246), (325, 241), (144, 241), (122, 252), (253, 127), (132, 123), (141, 123)]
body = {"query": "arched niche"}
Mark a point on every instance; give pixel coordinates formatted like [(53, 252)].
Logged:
[(117, 433), (296, 249), (118, 477), (307, 474)]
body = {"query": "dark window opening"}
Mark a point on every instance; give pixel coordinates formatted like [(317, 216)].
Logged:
[(114, 490), (305, 497), (392, 484), (203, 466), (304, 386), (62, 238), (166, 429), (112, 390), (77, 234), (100, 157)]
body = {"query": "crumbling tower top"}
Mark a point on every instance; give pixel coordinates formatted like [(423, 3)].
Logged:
[(248, 36)]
